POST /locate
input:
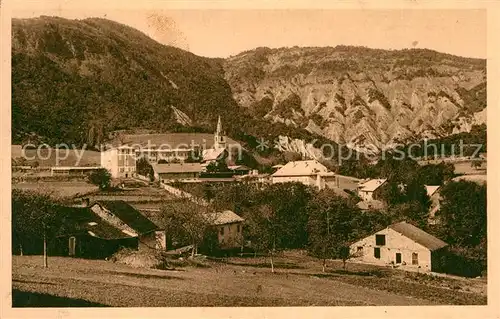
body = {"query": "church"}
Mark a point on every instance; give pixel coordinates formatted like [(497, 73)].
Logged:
[(218, 153)]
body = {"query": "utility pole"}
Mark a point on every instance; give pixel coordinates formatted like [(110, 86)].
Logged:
[(45, 265)]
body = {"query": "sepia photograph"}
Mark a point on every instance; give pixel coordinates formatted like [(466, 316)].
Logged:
[(220, 157)]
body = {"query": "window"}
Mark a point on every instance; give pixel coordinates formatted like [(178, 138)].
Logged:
[(380, 240), (360, 249), (376, 252), (238, 229), (414, 259), (398, 258), (222, 231)]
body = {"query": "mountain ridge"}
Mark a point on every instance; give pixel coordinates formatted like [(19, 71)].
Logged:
[(79, 80), (361, 96)]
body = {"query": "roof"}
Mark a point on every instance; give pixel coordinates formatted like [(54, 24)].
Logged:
[(418, 235), (212, 154), (370, 204), (225, 217), (63, 168), (431, 189), (372, 185), (219, 218), (301, 168), (82, 220), (129, 215), (177, 168)]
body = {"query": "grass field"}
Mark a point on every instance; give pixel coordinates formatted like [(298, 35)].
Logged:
[(235, 282), (61, 157), (62, 189)]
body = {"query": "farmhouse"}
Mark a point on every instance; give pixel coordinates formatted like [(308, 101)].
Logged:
[(230, 229), (177, 171), (131, 222), (401, 245), (370, 190), (84, 234)]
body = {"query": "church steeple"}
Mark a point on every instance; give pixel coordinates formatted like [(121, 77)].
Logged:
[(219, 138)]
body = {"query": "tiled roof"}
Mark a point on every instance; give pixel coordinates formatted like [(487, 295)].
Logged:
[(129, 215), (82, 220), (301, 168), (372, 185), (418, 235), (224, 217), (212, 154), (177, 168)]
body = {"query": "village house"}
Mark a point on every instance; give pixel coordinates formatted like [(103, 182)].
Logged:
[(229, 229), (400, 245), (308, 172), (370, 190), (131, 222), (227, 224), (177, 171), (84, 234)]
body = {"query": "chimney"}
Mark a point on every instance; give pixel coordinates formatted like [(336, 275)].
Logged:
[(85, 202)]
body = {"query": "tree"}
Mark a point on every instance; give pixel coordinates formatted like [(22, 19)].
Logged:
[(34, 218), (412, 212), (463, 213), (392, 193), (264, 231), (101, 178), (476, 164), (330, 226), (289, 202), (144, 168), (194, 156), (186, 222), (217, 167), (436, 174)]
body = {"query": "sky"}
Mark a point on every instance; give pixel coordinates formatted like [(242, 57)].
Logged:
[(223, 33)]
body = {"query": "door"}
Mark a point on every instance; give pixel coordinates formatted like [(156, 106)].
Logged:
[(72, 246), (398, 258)]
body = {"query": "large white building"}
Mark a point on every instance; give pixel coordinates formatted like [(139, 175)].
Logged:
[(119, 161)]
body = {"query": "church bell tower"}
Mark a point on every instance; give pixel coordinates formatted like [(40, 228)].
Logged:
[(219, 138)]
